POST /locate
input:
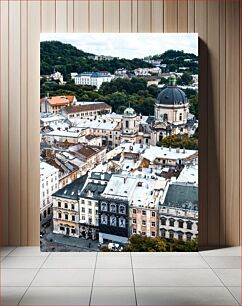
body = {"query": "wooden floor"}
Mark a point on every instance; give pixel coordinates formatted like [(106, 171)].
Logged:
[(218, 25)]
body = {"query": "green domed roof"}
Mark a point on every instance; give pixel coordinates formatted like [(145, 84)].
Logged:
[(129, 111)]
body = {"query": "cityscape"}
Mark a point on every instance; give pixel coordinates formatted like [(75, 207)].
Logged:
[(118, 149)]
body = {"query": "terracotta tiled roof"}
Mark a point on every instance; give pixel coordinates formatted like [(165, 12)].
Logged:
[(89, 151), (70, 98), (87, 107), (58, 101)]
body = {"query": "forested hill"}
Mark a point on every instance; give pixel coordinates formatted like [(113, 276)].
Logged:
[(67, 58)]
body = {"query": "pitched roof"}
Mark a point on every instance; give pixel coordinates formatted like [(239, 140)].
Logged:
[(88, 151), (58, 101), (182, 195), (73, 190), (87, 107)]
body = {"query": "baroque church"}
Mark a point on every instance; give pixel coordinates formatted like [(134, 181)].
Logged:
[(171, 116)]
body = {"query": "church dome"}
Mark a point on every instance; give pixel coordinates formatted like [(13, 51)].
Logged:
[(129, 111), (171, 94)]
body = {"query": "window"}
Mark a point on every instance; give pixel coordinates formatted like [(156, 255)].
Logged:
[(113, 221), (72, 206), (165, 117), (66, 205), (62, 228), (163, 221), (104, 206), (83, 218), (153, 234), (83, 202), (90, 211), (163, 233), (73, 231), (153, 224), (59, 215), (134, 211), (171, 221), (143, 212), (121, 222), (180, 223), (113, 208), (180, 116), (134, 221), (89, 203), (171, 235), (143, 233), (66, 216), (83, 209), (143, 222), (153, 214), (189, 236), (180, 236), (73, 218), (104, 219), (189, 225), (126, 124), (134, 231), (122, 209)]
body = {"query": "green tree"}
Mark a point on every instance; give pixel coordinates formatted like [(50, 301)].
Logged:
[(180, 141)]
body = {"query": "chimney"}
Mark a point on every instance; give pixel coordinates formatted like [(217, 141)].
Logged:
[(184, 150), (169, 148), (177, 150)]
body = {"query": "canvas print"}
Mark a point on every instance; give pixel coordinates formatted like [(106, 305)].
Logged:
[(119, 142)]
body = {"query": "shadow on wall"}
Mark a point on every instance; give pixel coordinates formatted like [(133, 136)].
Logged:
[(210, 226)]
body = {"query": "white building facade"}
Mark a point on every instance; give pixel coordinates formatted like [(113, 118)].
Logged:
[(93, 78), (48, 185)]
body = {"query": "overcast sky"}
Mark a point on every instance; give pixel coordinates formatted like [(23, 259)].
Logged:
[(125, 45)]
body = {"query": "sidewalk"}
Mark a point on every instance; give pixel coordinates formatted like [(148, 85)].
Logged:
[(74, 242)]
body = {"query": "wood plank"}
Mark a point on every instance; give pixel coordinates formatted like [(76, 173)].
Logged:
[(213, 124), (191, 16), (33, 121), (171, 16), (111, 16), (23, 123), (4, 152), (14, 122), (70, 15), (201, 28), (182, 16), (144, 16), (81, 16), (134, 19), (48, 16), (61, 16), (125, 16), (232, 123), (96, 16), (222, 140), (157, 13)]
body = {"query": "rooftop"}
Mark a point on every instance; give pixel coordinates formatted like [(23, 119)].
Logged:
[(87, 107), (73, 190), (182, 195), (46, 169), (60, 100), (154, 152)]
